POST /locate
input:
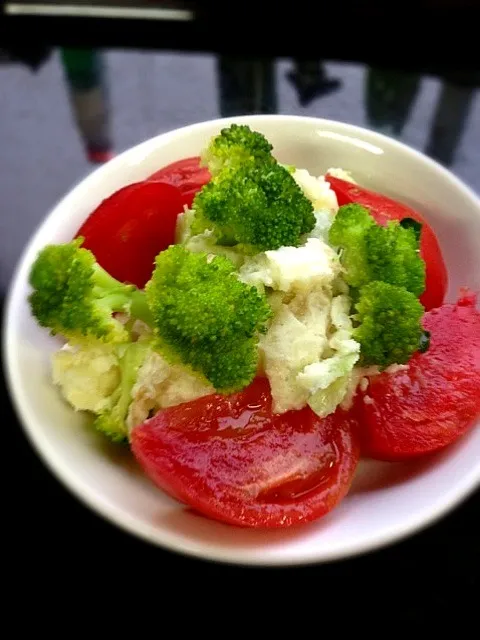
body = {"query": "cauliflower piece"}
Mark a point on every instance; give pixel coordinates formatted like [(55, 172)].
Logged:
[(160, 385), (317, 190), (308, 353), (340, 313), (296, 338), (86, 376), (341, 174), (310, 326), (320, 375), (323, 222), (288, 269), (328, 381), (183, 225)]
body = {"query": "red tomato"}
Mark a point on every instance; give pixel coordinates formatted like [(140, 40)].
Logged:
[(187, 175), (231, 459), (436, 399), (128, 229), (384, 209)]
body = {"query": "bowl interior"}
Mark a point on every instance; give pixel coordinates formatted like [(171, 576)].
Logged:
[(386, 501)]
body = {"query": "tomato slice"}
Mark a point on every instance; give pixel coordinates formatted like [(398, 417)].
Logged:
[(128, 229), (186, 174), (384, 209), (436, 399), (231, 459)]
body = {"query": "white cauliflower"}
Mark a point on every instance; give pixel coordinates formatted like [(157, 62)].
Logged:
[(323, 222), (328, 381), (341, 174), (314, 264), (296, 338), (159, 385), (183, 224), (308, 353), (317, 190), (86, 376)]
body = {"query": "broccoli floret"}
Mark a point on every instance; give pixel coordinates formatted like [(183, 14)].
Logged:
[(252, 201), (372, 252), (393, 256), (205, 318), (348, 231), (237, 143), (75, 297), (111, 421), (388, 321), (256, 204)]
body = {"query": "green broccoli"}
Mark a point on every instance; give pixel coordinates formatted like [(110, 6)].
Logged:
[(388, 324), (393, 254), (205, 318), (112, 420), (348, 231), (75, 297), (237, 143), (256, 204), (372, 252)]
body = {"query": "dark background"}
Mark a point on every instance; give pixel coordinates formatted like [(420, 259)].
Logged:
[(437, 36)]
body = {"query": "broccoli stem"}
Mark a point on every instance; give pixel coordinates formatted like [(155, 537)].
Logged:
[(103, 280), (112, 422), (116, 301), (130, 362), (139, 308), (121, 297)]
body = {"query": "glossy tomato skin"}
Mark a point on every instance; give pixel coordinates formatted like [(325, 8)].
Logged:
[(106, 211), (128, 229), (186, 174), (232, 460), (432, 402), (384, 209)]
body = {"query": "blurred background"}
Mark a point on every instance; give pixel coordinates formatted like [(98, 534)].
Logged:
[(70, 99)]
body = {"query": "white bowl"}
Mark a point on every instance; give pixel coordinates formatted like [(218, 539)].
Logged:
[(387, 501)]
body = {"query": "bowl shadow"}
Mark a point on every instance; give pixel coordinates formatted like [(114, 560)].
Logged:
[(374, 475)]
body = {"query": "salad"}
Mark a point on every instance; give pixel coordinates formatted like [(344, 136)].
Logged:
[(251, 331)]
